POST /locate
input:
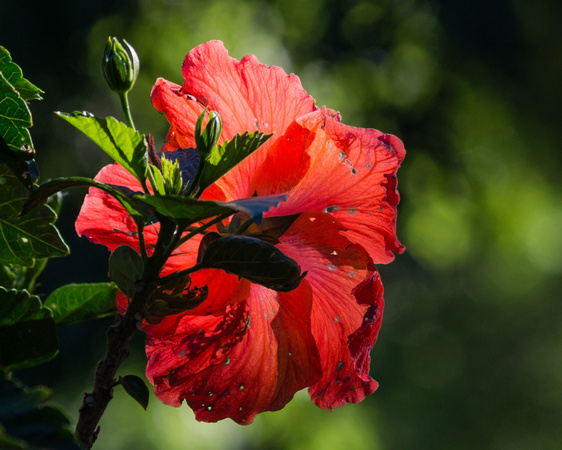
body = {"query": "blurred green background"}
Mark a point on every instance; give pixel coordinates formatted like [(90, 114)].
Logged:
[(470, 353)]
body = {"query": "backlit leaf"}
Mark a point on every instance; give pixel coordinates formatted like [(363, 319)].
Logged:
[(125, 145), (15, 117), (224, 157), (185, 210), (78, 302), (49, 188)]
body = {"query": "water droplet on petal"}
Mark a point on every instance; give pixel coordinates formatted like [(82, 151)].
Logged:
[(332, 208), (241, 387), (368, 165), (332, 267), (182, 353), (227, 361), (351, 274), (209, 408), (334, 253), (328, 144), (337, 319)]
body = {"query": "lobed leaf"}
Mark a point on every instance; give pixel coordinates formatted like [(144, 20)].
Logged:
[(24, 239), (15, 117), (28, 334), (125, 145), (13, 74), (78, 302)]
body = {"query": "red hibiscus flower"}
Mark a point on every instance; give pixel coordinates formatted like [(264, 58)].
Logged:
[(248, 349)]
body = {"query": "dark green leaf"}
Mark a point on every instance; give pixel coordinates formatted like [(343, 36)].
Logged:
[(28, 334), (78, 302), (186, 211), (136, 388), (125, 269), (13, 74), (23, 239), (15, 276), (49, 188), (28, 421), (24, 170), (253, 259), (224, 157), (125, 145)]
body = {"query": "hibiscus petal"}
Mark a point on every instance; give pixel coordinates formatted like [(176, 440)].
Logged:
[(350, 173), (250, 360), (248, 95), (334, 267), (103, 220)]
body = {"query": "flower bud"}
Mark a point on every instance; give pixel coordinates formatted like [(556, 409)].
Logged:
[(208, 138), (120, 65)]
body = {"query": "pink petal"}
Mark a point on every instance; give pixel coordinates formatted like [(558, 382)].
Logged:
[(250, 360)]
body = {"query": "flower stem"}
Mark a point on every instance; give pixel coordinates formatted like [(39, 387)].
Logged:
[(123, 97), (119, 336), (203, 227)]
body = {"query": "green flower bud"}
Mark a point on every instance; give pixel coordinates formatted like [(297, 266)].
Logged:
[(120, 65), (208, 138)]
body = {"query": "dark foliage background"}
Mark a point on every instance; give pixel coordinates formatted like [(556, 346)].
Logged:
[(469, 355)]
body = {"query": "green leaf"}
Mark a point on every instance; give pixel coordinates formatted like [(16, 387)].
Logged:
[(15, 276), (78, 302), (15, 117), (186, 211), (24, 239), (224, 157), (27, 420), (13, 74), (28, 334), (125, 269), (253, 259), (49, 188), (136, 388), (125, 145)]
